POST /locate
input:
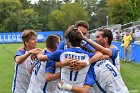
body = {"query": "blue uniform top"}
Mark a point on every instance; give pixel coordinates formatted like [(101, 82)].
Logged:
[(62, 46), (55, 56), (20, 52), (21, 76), (114, 55)]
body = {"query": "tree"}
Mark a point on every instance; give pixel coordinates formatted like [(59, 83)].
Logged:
[(90, 6), (67, 15), (44, 8), (7, 10), (100, 18), (25, 4), (28, 19), (123, 11)]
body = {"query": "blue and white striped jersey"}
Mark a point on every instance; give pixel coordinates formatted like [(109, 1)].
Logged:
[(22, 76), (105, 78), (38, 82)]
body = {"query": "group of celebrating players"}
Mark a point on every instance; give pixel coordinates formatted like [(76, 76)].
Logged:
[(76, 65)]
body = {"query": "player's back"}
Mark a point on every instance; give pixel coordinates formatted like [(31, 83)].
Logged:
[(74, 77), (108, 78)]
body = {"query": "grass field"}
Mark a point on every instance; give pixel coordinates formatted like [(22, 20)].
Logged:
[(130, 71)]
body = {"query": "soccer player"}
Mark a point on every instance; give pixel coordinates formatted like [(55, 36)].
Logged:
[(38, 83), (73, 38), (23, 62), (104, 38), (102, 75), (83, 26)]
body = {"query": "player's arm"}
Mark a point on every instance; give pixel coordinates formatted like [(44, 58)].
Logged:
[(97, 56), (103, 56), (42, 57), (20, 59), (75, 89), (77, 65), (97, 47), (66, 62), (51, 76), (83, 89), (50, 72)]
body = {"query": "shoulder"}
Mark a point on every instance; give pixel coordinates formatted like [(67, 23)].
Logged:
[(20, 52)]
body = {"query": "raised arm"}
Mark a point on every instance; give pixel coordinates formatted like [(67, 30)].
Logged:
[(96, 46), (22, 58), (97, 56)]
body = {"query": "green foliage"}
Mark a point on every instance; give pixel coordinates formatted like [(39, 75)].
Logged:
[(28, 19), (44, 8), (7, 8), (11, 23), (25, 4), (67, 15), (123, 11), (100, 18), (90, 6)]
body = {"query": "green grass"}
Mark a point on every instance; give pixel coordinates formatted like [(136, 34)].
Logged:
[(7, 65), (129, 71), (131, 76)]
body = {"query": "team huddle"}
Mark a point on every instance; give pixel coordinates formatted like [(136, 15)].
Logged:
[(76, 65)]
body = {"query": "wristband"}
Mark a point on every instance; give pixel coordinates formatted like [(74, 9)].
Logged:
[(85, 37), (66, 87), (88, 63)]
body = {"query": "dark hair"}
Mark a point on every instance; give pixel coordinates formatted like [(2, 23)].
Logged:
[(51, 40), (107, 33), (74, 36), (82, 23), (58, 36), (69, 29)]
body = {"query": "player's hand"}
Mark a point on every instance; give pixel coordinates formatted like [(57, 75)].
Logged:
[(35, 51), (78, 65), (63, 86), (21, 48), (82, 35), (33, 56), (67, 62)]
